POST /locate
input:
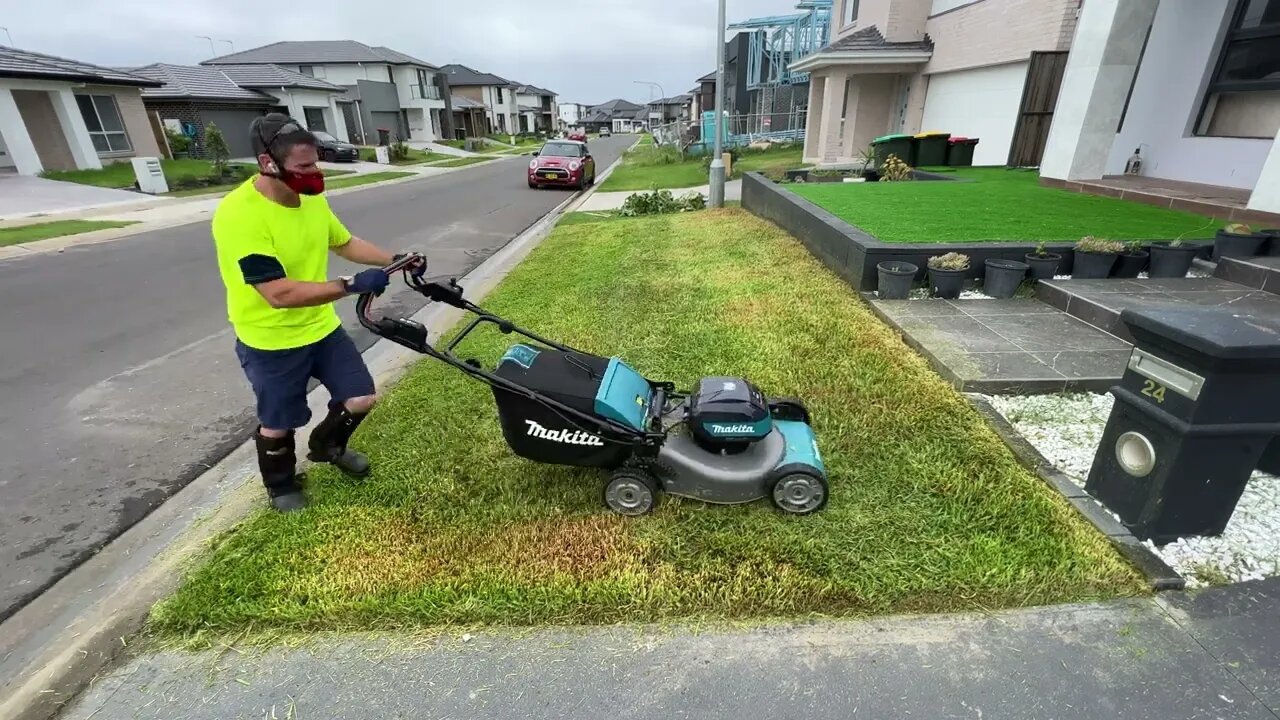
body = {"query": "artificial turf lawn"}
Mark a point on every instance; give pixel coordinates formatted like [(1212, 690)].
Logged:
[(999, 205), (57, 228), (929, 511), (644, 167)]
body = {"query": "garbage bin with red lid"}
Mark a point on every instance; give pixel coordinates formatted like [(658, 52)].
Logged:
[(960, 151), (931, 148), (903, 146)]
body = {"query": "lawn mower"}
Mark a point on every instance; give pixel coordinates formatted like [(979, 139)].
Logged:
[(722, 442)]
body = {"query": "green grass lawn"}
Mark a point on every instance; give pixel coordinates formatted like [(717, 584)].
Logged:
[(58, 228), (460, 162), (929, 510), (1000, 205), (120, 175), (644, 167), (416, 156), (344, 182)]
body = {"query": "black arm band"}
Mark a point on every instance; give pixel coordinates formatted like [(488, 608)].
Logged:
[(260, 268)]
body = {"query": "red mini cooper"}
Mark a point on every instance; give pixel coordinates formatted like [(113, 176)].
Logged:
[(562, 162)]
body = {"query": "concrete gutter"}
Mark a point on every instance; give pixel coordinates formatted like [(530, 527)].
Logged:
[(184, 212), (52, 648)]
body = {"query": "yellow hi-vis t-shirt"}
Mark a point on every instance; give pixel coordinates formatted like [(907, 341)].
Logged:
[(250, 232)]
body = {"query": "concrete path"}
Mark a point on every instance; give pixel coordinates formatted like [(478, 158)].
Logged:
[(23, 196), (118, 381), (1180, 656), (613, 200)]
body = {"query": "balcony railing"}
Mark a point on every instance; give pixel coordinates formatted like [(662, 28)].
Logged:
[(425, 92)]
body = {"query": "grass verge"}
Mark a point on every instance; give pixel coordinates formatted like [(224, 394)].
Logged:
[(661, 166), (57, 228), (352, 181), (929, 510), (461, 162), (999, 205), (120, 174), (228, 187)]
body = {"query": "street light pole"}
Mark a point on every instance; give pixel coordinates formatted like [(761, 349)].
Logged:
[(717, 161), (212, 49), (6, 34)]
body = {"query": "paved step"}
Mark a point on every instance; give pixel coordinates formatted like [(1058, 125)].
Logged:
[(1017, 347), (1259, 273), (1099, 302)]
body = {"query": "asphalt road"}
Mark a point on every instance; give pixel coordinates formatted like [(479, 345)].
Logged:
[(118, 379)]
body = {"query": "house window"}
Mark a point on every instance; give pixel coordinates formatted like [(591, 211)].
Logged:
[(314, 117), (1243, 99), (422, 83), (498, 91), (850, 11), (308, 70), (106, 129)]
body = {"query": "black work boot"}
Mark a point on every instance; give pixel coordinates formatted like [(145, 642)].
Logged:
[(329, 441), (277, 460)]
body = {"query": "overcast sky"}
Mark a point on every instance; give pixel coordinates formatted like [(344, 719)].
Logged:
[(588, 51)]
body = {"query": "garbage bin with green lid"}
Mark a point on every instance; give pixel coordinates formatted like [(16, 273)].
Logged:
[(931, 148), (904, 146), (960, 151)]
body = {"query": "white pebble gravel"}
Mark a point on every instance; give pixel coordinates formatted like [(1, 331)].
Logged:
[(1066, 429)]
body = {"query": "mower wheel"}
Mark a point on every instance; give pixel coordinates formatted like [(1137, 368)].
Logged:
[(788, 408), (631, 492), (800, 492)]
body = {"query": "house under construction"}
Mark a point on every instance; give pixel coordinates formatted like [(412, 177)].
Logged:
[(768, 92)]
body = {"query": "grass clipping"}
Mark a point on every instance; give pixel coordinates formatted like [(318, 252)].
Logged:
[(928, 512)]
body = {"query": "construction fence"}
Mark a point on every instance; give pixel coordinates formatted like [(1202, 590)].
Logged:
[(696, 137)]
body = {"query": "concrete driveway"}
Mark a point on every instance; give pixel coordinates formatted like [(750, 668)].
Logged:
[(25, 196)]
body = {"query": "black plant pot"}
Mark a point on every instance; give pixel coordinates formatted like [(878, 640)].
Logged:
[(1129, 265), (1272, 247), (947, 284), (797, 175), (1227, 244), (1092, 266), (1004, 277), (1044, 267), (1171, 261), (871, 175), (896, 279)]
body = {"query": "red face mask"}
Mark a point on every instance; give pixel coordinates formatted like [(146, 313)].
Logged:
[(304, 183)]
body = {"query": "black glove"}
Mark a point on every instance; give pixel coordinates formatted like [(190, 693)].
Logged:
[(417, 269), (373, 280)]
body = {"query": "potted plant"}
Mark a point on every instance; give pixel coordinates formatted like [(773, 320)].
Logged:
[(868, 159), (1132, 260), (1044, 264), (1237, 240), (1094, 257), (896, 278), (1003, 277), (947, 273), (1171, 259)]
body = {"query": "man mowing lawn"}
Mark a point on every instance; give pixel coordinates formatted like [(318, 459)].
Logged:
[(273, 236), (929, 510)]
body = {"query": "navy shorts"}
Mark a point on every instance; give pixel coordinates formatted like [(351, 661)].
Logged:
[(279, 377)]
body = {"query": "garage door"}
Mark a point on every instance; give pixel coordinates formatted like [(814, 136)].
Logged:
[(234, 125), (980, 103), (383, 121)]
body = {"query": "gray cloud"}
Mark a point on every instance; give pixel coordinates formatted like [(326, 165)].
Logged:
[(586, 50)]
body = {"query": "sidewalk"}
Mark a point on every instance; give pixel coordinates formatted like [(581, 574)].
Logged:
[(614, 200), (1215, 654), (438, 148)]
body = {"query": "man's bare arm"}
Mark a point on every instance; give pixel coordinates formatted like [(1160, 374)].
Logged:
[(358, 250), (286, 293)]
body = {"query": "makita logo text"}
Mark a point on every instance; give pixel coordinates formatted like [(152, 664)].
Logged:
[(732, 429), (568, 437)]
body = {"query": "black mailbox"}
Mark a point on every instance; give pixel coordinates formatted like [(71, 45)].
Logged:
[(1198, 405)]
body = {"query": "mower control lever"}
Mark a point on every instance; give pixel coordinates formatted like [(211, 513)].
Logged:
[(450, 294), (409, 333)]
